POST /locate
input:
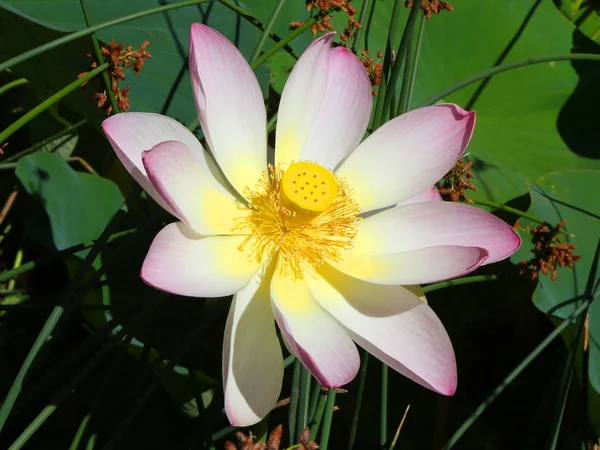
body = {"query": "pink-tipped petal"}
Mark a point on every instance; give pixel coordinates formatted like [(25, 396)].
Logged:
[(184, 262), (252, 358), (407, 155), (430, 194), (130, 134), (391, 323), (425, 265), (230, 106), (312, 334), (430, 224), (189, 189), (342, 119), (301, 99)]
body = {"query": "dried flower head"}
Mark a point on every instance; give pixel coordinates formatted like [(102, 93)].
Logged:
[(323, 17), (246, 442), (454, 184), (374, 69), (431, 7), (549, 251), (119, 58)]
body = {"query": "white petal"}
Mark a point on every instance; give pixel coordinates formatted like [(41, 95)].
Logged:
[(301, 99), (190, 190), (430, 194), (429, 224), (393, 324), (252, 358), (407, 155), (425, 265), (313, 335), (184, 262), (342, 119), (130, 134), (230, 106)]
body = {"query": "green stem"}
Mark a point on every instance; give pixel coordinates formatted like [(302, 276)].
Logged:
[(362, 378), (267, 30), (80, 432), (5, 276), (518, 212), (327, 419), (565, 383), (87, 31), (13, 84), (363, 15), (100, 59), (387, 63), (261, 429), (314, 398), (514, 374), (294, 392), (278, 46), (505, 67), (46, 141), (303, 401), (401, 53), (319, 411), (413, 75), (57, 312), (458, 282), (4, 135), (272, 123), (409, 63), (384, 402)]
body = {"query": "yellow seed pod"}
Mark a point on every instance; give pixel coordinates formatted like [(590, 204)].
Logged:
[(309, 186)]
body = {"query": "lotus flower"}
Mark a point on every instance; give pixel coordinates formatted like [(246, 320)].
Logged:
[(330, 241)]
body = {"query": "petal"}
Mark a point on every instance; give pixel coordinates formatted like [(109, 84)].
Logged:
[(184, 262), (189, 189), (430, 194), (425, 265), (252, 358), (341, 121), (130, 134), (391, 323), (301, 99), (407, 155), (313, 335), (230, 106), (422, 225)]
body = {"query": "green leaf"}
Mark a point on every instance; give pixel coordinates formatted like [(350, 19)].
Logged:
[(570, 195), (163, 85), (76, 206)]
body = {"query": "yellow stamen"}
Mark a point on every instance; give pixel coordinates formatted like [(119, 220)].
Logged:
[(303, 235)]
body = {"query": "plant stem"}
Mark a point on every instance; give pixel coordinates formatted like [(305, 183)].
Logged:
[(403, 107), (314, 398), (303, 401), (384, 402), (387, 63), (401, 53), (409, 63), (319, 411), (518, 212), (100, 59), (267, 30), (278, 46), (13, 84), (50, 101), (294, 392), (506, 67), (458, 282), (362, 378), (514, 374), (363, 14), (5, 276), (327, 419)]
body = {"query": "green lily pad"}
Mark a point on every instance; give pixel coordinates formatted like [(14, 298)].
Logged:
[(73, 207), (163, 85), (571, 195)]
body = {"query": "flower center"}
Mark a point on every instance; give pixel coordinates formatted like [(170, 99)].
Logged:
[(304, 214)]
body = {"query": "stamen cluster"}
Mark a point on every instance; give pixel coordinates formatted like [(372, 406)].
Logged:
[(302, 241)]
